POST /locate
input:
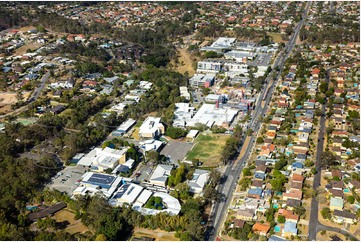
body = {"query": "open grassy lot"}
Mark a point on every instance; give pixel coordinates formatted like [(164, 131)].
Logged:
[(208, 149), (73, 226), (277, 37)]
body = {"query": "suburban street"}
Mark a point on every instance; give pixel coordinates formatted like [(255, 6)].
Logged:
[(314, 225), (232, 174)]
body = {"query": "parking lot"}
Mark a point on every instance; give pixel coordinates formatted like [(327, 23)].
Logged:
[(176, 150), (261, 60), (67, 181), (145, 171)]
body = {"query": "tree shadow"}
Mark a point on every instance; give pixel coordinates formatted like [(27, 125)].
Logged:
[(62, 225)]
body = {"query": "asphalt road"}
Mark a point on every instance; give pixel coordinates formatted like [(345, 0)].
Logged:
[(232, 173), (38, 90), (313, 225)]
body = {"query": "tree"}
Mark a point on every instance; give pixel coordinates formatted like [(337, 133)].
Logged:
[(260, 140), (299, 210), (281, 219), (351, 199), (101, 237), (246, 172), (278, 180), (270, 214), (185, 236), (328, 159), (181, 191), (175, 133), (211, 54), (326, 213), (249, 132)]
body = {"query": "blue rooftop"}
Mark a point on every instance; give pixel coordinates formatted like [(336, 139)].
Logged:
[(255, 191), (290, 227)]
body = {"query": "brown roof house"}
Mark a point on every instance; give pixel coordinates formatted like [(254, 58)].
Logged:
[(261, 229)]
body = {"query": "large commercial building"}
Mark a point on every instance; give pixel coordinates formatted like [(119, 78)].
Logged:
[(106, 184), (100, 159), (208, 114)]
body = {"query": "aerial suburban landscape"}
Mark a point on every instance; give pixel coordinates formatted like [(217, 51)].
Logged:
[(180, 121)]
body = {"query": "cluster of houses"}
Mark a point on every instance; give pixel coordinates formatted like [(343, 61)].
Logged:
[(300, 150), (338, 191)]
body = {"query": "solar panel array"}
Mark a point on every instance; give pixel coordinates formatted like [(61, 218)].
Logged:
[(121, 191), (101, 179)]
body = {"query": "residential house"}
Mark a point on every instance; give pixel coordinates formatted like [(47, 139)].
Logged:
[(336, 204), (238, 223), (293, 203), (257, 184), (261, 229), (292, 194), (337, 185), (289, 215), (289, 229), (255, 193), (199, 180), (341, 216), (57, 109), (276, 238), (160, 175), (336, 193), (245, 214), (260, 172)]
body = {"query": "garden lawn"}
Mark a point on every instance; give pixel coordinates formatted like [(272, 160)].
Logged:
[(208, 149)]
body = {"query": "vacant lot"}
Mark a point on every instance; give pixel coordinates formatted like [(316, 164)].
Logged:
[(10, 97), (277, 37), (208, 149), (158, 235), (329, 236), (185, 62), (28, 46), (73, 226)]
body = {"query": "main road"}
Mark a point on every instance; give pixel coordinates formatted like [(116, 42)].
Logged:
[(233, 169)]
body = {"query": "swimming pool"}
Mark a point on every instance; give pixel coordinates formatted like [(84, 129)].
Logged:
[(277, 229), (275, 206), (346, 190)]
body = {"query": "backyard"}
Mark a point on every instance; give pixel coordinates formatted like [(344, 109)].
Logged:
[(208, 149)]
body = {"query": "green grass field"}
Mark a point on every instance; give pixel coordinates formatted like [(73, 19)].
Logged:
[(208, 149)]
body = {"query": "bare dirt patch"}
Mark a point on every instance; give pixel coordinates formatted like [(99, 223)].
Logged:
[(158, 235), (327, 236), (10, 97), (74, 226), (5, 108), (185, 62)]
